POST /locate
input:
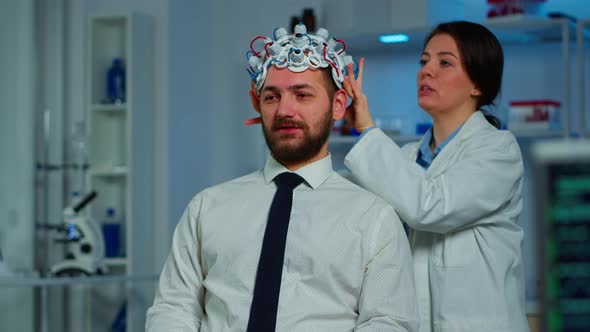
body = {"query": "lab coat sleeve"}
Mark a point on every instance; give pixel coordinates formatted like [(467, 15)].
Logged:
[(388, 297), (178, 305), (488, 176)]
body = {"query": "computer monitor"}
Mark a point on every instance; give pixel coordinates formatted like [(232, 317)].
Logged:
[(562, 209)]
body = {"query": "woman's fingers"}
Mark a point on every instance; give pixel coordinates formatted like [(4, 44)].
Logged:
[(352, 83), (356, 83), (351, 76), (359, 79), (348, 87)]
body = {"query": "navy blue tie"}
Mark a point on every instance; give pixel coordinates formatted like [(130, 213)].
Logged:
[(263, 312)]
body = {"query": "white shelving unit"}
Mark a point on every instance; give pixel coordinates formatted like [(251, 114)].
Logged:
[(532, 30), (121, 156), (510, 31)]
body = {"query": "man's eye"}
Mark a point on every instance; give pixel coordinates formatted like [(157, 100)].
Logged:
[(269, 98), (422, 62), (303, 95), (444, 63)]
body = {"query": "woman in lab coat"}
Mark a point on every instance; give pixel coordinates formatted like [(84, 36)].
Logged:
[(458, 189)]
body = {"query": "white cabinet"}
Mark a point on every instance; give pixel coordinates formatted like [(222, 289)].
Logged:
[(543, 47), (369, 16), (121, 149), (538, 65)]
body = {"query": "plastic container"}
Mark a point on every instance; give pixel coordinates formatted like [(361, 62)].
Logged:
[(498, 8), (422, 127), (116, 85), (308, 18), (79, 162), (534, 115), (120, 322), (111, 231)]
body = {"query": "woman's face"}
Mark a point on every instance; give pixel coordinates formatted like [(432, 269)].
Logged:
[(443, 83)]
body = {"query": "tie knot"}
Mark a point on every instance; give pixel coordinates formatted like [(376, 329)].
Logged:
[(292, 180)]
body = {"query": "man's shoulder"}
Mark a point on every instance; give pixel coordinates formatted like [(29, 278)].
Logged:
[(344, 182), (367, 209), (235, 186)]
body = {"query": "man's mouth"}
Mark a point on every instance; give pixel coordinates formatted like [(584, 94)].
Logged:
[(287, 127)]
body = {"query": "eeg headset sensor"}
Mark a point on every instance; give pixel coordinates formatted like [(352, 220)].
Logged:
[(298, 52)]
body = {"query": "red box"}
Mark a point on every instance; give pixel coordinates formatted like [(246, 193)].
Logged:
[(534, 114), (499, 8)]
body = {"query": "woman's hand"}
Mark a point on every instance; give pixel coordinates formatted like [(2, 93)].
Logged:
[(357, 113)]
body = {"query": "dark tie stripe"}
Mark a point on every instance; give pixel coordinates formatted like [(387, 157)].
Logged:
[(263, 312)]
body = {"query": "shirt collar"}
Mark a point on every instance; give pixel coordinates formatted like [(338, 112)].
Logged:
[(425, 154), (425, 145), (314, 174), (446, 141)]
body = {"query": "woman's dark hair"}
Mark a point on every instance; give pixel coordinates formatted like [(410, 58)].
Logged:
[(482, 56)]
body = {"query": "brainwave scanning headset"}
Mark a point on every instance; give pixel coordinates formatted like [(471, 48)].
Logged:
[(298, 52)]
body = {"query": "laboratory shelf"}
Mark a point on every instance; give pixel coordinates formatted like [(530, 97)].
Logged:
[(342, 139), (120, 138), (109, 107), (337, 140), (20, 281), (119, 262), (540, 133), (109, 171), (349, 140), (83, 291)]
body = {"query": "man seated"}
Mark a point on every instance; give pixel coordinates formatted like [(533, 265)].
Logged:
[(292, 246)]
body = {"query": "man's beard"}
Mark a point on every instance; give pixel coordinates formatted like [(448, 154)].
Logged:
[(304, 150)]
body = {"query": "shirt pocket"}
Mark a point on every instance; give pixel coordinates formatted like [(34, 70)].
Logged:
[(454, 249)]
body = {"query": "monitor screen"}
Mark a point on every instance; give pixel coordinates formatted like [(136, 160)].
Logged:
[(562, 186)]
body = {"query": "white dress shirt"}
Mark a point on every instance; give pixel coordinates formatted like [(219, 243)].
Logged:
[(463, 211), (347, 260)]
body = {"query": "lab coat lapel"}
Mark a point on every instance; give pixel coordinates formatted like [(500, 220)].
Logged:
[(476, 122)]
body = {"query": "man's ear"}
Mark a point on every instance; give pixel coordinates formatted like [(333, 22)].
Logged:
[(339, 104), (254, 97)]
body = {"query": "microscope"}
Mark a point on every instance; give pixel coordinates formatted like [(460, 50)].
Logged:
[(83, 240)]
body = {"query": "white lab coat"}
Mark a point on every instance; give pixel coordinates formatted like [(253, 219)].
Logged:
[(463, 211)]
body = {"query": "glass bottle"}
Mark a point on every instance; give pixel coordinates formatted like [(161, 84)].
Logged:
[(79, 161)]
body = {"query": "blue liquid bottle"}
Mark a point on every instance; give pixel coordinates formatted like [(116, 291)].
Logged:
[(111, 230), (116, 82)]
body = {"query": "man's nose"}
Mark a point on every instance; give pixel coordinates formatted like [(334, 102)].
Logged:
[(285, 108)]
